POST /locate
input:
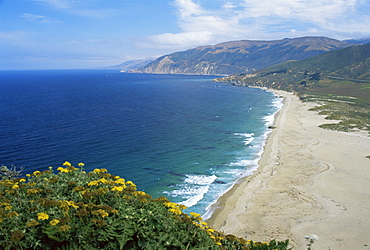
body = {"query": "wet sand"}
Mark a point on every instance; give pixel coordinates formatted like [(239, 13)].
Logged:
[(310, 181)]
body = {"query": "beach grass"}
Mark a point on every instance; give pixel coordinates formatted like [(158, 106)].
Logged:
[(349, 113)]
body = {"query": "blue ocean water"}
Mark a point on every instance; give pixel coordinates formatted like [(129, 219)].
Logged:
[(180, 136)]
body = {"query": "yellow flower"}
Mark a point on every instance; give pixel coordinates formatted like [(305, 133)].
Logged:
[(118, 189), (54, 222), (218, 243), (93, 183), (8, 207), (15, 186), (120, 181), (170, 204), (42, 216), (96, 170), (63, 205), (66, 163), (36, 173), (102, 180), (32, 223), (183, 206), (72, 204), (194, 214), (71, 168), (78, 188), (80, 164), (64, 228), (63, 170), (32, 191), (12, 214), (100, 212), (22, 180), (175, 211), (28, 175)]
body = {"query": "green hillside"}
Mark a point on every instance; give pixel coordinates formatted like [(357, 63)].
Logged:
[(340, 78), (342, 72)]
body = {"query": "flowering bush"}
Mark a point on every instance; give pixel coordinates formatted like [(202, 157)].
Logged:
[(68, 208)]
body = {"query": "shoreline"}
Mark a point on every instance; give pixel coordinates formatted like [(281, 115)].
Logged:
[(309, 181), (271, 125)]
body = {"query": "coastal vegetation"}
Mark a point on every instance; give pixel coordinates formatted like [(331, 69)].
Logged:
[(348, 113), (69, 208), (338, 80)]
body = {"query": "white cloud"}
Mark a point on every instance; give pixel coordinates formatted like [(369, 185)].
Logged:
[(229, 5), (95, 13), (187, 8), (319, 12), (261, 19), (15, 37), (176, 41), (60, 4), (192, 18), (79, 8), (37, 18)]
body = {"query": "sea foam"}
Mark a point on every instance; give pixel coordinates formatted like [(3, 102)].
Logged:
[(193, 188)]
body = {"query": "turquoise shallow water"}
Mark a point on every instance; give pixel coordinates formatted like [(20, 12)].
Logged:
[(183, 137)]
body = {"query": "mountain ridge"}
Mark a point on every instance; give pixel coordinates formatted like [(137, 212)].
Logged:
[(243, 56), (335, 72)]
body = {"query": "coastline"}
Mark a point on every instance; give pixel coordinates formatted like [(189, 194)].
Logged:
[(309, 181)]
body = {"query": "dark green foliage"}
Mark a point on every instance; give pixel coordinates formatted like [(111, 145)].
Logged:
[(71, 209)]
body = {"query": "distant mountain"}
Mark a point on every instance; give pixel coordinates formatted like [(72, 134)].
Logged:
[(361, 41), (132, 64), (244, 56), (344, 71)]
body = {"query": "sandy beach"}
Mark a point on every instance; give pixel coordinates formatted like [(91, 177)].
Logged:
[(309, 181)]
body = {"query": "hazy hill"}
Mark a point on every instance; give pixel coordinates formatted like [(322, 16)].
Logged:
[(132, 64), (242, 56), (344, 71), (361, 41)]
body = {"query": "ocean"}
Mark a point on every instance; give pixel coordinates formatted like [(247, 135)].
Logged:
[(179, 136)]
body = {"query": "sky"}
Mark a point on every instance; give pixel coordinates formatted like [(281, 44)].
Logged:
[(79, 34)]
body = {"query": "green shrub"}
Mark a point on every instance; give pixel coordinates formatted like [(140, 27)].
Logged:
[(68, 208)]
